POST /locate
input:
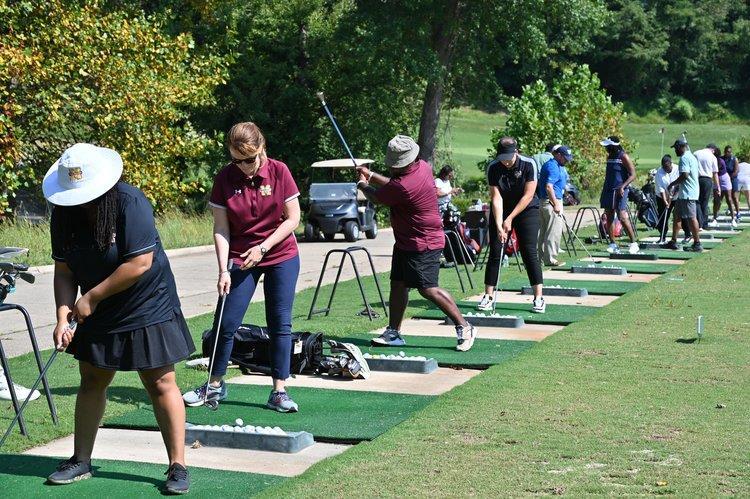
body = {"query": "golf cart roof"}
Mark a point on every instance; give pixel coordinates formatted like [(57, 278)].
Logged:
[(341, 163)]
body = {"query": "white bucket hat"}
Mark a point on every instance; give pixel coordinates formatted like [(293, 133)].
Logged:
[(83, 173)]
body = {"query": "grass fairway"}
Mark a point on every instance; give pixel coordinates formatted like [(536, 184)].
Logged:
[(637, 408)]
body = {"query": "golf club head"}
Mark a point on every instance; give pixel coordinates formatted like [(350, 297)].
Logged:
[(321, 97), (27, 276), (6, 267), (212, 404), (11, 252)]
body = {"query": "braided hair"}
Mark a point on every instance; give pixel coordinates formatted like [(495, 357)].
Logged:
[(67, 220)]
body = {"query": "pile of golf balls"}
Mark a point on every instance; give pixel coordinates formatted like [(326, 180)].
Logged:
[(239, 427), (494, 314), (400, 356)]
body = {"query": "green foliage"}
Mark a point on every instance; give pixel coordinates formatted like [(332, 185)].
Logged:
[(573, 110), (742, 149), (116, 79), (682, 110)]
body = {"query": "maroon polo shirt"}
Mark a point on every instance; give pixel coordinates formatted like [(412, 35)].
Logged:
[(412, 199), (255, 208)]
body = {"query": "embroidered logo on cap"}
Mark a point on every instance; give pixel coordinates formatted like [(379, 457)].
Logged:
[(75, 174), (265, 190)]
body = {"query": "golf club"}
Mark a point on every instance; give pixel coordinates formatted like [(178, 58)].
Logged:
[(576, 238), (661, 131), (336, 127), (71, 326), (499, 273), (214, 404)]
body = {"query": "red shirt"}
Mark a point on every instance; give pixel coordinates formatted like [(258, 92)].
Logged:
[(255, 208), (414, 213)]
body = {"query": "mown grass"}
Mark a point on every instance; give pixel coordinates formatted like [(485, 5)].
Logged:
[(177, 230), (625, 402)]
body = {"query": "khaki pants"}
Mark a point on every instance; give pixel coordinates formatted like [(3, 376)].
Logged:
[(550, 233)]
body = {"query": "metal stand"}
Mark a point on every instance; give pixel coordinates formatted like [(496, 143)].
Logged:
[(581, 213), (344, 253), (485, 255), (464, 256), (568, 237), (32, 336), (633, 222)]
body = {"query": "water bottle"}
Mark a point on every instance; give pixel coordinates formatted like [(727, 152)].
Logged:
[(505, 260)]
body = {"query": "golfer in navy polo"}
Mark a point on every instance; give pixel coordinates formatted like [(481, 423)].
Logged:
[(105, 244)]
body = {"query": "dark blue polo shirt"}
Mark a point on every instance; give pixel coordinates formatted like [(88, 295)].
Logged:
[(151, 300)]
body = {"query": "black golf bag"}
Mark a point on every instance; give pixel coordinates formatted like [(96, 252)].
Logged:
[(452, 221), (252, 350), (646, 208)]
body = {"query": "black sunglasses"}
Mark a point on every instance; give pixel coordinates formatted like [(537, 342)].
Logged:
[(238, 162)]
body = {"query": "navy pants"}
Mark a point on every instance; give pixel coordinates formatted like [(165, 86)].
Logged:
[(278, 285)]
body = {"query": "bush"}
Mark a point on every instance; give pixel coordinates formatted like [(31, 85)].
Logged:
[(682, 110), (742, 149), (573, 110)]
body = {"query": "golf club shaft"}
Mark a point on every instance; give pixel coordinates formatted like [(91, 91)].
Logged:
[(499, 273), (217, 329), (336, 127), (28, 397)]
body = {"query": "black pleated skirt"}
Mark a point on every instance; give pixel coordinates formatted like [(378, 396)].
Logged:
[(148, 347)]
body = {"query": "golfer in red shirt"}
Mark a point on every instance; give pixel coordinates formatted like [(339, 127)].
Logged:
[(410, 195)]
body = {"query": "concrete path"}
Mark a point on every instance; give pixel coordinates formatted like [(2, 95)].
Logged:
[(195, 272)]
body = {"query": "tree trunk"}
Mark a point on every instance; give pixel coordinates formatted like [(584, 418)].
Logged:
[(445, 31)]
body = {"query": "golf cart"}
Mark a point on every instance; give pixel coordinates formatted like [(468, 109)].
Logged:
[(339, 207)]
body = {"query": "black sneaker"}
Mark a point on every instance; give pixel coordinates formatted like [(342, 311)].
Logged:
[(178, 479), (671, 245), (695, 248), (69, 471)]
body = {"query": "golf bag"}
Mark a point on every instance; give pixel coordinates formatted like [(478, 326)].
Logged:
[(349, 363), (646, 210), (511, 246), (452, 221), (251, 350), (603, 223)]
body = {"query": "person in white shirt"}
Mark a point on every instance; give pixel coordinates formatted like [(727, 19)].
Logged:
[(443, 186), (665, 175), (743, 180), (708, 176)]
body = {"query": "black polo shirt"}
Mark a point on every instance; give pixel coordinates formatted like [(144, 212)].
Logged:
[(149, 301), (511, 182)]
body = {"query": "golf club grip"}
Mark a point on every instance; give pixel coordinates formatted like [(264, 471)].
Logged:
[(321, 97), (28, 397)]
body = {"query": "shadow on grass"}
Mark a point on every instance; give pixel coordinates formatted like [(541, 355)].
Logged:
[(120, 394), (688, 341)]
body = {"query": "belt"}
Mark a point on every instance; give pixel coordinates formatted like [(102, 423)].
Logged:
[(703, 176)]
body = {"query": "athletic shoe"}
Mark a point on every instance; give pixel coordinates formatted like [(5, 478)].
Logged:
[(538, 306), (389, 338), (687, 239), (465, 338), (21, 391), (486, 303), (197, 397), (69, 471), (713, 223), (734, 223), (280, 401), (612, 248), (696, 248), (556, 263), (178, 480), (671, 245), (633, 248)]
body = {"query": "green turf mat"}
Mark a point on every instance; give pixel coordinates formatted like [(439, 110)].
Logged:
[(664, 254), (483, 354), (555, 314), (630, 267), (25, 476), (615, 288), (328, 414)]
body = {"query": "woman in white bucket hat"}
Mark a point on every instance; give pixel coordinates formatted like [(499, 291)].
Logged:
[(105, 243)]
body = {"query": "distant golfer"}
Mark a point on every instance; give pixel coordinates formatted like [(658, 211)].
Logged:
[(445, 191), (731, 162), (552, 180), (708, 181), (255, 207), (723, 191), (614, 198), (687, 196), (105, 244), (665, 175), (512, 182), (410, 195)]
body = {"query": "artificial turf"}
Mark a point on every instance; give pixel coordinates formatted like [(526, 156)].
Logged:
[(660, 253), (25, 476), (635, 267), (512, 280), (555, 314), (330, 415), (483, 354)]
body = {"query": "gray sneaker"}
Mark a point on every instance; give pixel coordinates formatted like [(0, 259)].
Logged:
[(178, 480), (280, 401), (389, 338), (69, 471), (195, 398)]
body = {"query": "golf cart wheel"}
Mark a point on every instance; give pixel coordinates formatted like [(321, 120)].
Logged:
[(329, 237), (310, 233), (373, 232), (351, 231)]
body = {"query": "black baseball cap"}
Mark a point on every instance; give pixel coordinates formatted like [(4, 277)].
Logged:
[(506, 148), (679, 143)]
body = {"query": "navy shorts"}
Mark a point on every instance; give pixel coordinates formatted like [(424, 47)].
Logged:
[(417, 269), (611, 200)]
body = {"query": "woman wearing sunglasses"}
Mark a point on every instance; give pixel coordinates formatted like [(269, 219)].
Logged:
[(255, 208)]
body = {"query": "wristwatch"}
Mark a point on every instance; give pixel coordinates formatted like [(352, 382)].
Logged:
[(263, 250)]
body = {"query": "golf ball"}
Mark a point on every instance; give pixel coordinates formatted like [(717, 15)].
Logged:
[(401, 354), (239, 422)]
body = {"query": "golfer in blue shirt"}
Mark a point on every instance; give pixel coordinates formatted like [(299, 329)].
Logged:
[(552, 180)]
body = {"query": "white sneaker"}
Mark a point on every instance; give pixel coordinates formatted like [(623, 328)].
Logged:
[(486, 303), (612, 248), (713, 223), (538, 306), (466, 340), (21, 392), (633, 248), (734, 223)]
